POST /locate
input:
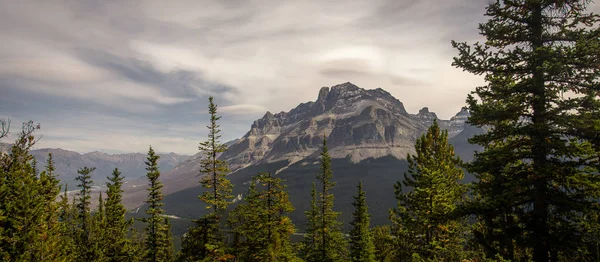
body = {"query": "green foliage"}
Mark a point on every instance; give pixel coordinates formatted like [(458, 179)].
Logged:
[(384, 243), (218, 196), (309, 250), (262, 224), (118, 246), (28, 225), (67, 217), (538, 179), (205, 239), (422, 220), (325, 229), (83, 236), (157, 243), (53, 244), (361, 238)]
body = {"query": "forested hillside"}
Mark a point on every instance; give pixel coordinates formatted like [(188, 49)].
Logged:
[(324, 182)]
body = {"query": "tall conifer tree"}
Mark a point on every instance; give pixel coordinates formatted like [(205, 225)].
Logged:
[(205, 238), (157, 244), (263, 222), (361, 238), (331, 245), (85, 250), (422, 218), (117, 244), (541, 65), (66, 216), (53, 244), (311, 236), (21, 204)]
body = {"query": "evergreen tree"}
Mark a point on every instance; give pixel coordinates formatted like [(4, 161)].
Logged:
[(67, 218), (331, 245), (263, 222), (85, 249), (98, 233), (422, 218), (205, 238), (156, 243), (118, 246), (167, 244), (384, 243), (53, 244), (311, 236), (21, 204), (361, 238), (540, 62)]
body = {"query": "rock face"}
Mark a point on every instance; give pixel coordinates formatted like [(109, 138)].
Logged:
[(357, 123)]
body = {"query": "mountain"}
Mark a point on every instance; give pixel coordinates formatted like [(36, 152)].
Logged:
[(131, 165), (369, 134)]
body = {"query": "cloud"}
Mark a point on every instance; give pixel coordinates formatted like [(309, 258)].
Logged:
[(131, 72), (243, 109)]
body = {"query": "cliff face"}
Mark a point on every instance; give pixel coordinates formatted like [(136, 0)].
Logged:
[(357, 123)]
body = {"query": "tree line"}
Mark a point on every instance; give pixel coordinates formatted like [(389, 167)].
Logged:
[(536, 197)]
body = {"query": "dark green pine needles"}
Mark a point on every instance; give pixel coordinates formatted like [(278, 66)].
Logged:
[(157, 242), (422, 220), (538, 172), (361, 239)]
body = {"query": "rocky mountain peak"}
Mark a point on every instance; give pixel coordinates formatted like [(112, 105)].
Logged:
[(323, 94), (350, 117), (345, 87), (425, 116)]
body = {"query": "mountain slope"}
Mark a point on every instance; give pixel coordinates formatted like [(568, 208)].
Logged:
[(369, 135), (68, 162)]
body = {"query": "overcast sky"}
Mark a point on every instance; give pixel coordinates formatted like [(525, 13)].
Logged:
[(117, 76)]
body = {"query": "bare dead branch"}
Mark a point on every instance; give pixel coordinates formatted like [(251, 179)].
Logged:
[(5, 127)]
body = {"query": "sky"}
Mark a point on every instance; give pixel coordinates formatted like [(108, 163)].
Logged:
[(118, 76)]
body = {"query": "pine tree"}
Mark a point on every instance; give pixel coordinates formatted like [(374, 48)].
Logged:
[(117, 244), (52, 245), (263, 222), (167, 243), (21, 204), (66, 216), (422, 218), (541, 64), (98, 233), (156, 242), (205, 238), (361, 238), (85, 250), (384, 243), (331, 245), (311, 236)]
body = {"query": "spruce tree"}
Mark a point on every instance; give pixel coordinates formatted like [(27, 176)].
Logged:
[(263, 222), (384, 243), (21, 204), (117, 244), (331, 245), (422, 218), (66, 216), (541, 65), (98, 233), (156, 242), (85, 250), (311, 235), (53, 244), (205, 238), (361, 238)]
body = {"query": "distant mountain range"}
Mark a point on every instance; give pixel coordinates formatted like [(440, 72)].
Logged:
[(369, 134), (131, 165)]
